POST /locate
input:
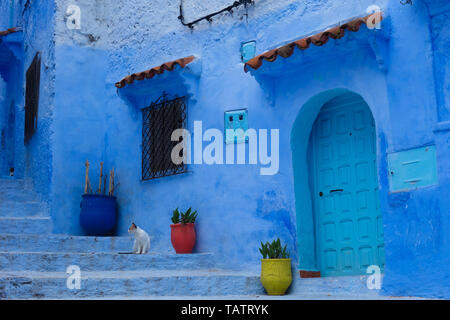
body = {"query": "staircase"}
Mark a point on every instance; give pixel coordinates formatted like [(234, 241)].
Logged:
[(20, 209), (33, 262)]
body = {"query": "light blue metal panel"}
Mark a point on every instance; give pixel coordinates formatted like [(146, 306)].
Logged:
[(412, 169), (248, 50), (236, 119)]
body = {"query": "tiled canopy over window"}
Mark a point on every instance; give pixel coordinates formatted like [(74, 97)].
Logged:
[(150, 73), (8, 31)]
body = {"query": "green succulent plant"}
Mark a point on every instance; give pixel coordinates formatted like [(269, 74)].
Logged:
[(176, 216), (274, 250), (184, 217)]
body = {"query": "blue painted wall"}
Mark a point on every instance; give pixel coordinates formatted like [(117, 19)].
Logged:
[(9, 13), (38, 28), (11, 70), (399, 73), (10, 74)]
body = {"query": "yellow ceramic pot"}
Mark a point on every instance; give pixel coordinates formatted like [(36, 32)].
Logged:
[(276, 275)]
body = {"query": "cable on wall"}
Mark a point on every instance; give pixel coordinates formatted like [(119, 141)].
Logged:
[(209, 17)]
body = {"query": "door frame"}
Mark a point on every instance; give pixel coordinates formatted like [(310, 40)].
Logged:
[(353, 101)]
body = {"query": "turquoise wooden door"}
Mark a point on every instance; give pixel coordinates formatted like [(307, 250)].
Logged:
[(349, 228)]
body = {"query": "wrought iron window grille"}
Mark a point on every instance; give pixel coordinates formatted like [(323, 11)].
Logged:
[(209, 17), (159, 120), (32, 97)]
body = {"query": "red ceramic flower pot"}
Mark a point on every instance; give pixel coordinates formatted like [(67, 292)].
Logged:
[(183, 237)]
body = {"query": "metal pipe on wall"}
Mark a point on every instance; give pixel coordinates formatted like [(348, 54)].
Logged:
[(11, 14)]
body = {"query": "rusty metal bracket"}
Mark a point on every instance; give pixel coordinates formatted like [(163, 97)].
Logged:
[(209, 17)]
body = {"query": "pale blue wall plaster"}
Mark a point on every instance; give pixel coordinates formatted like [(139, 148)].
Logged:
[(80, 131)]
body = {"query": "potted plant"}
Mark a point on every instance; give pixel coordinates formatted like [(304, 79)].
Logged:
[(98, 215), (183, 230), (276, 274)]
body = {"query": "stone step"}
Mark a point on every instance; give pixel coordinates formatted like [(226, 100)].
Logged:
[(22, 209), (14, 184), (63, 243), (103, 284), (25, 225), (58, 262), (333, 286)]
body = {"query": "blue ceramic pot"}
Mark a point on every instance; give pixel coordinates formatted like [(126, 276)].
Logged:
[(98, 215)]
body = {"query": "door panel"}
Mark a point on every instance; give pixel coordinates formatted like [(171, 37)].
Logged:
[(349, 228)]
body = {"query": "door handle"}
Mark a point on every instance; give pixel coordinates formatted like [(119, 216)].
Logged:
[(336, 190)]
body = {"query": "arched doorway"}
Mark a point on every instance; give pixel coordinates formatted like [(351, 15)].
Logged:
[(339, 223)]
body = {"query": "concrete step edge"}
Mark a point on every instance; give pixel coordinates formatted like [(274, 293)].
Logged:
[(65, 253), (133, 274), (28, 202), (26, 218), (70, 237)]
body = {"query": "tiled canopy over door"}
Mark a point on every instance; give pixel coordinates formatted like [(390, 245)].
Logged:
[(349, 233)]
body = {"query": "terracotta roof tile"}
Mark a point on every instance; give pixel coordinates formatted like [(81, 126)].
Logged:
[(8, 31), (303, 44), (150, 73)]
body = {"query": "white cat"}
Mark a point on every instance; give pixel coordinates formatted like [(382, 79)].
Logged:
[(142, 240)]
